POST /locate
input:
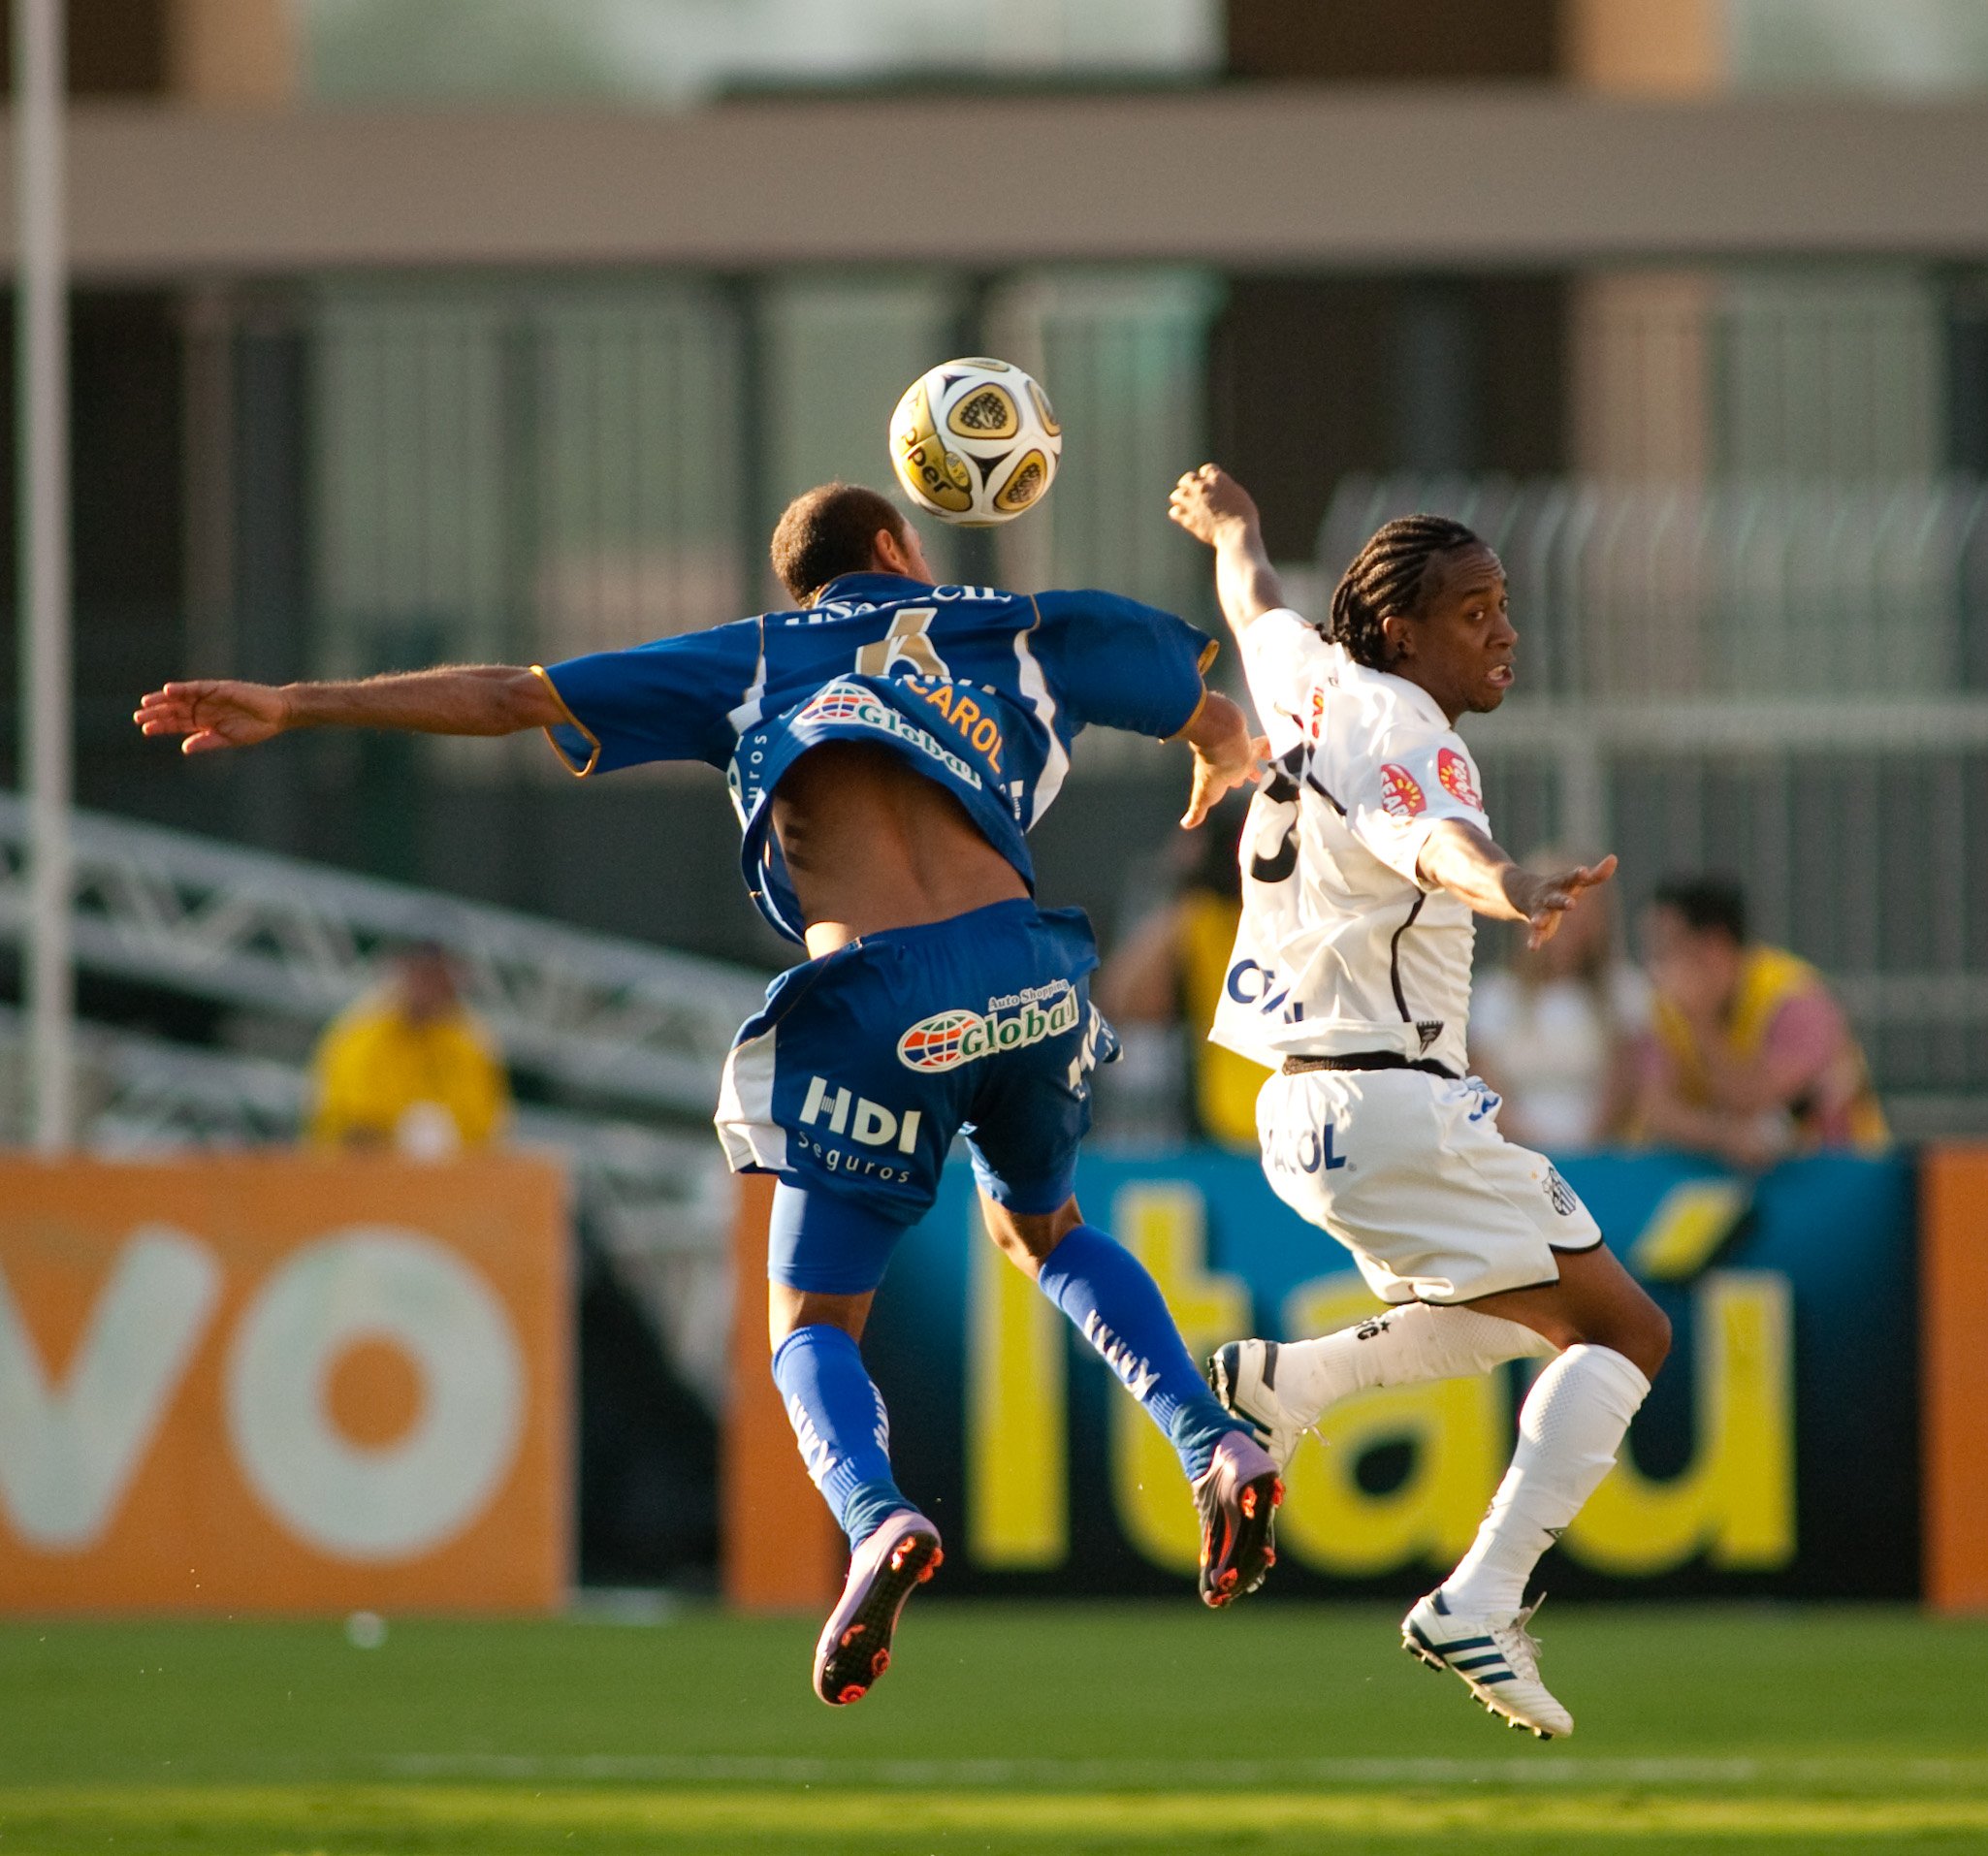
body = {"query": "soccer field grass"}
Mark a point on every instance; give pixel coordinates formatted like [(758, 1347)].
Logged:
[(1002, 1729)]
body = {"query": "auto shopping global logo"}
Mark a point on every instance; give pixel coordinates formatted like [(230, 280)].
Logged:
[(849, 705), (947, 1039)]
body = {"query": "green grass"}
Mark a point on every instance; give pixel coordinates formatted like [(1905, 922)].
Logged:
[(1002, 1729)]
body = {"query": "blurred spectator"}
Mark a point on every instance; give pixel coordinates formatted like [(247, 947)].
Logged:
[(1556, 1031), (1168, 971), (408, 1067), (1748, 1057)]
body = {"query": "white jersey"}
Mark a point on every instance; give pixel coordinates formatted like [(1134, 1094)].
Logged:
[(1342, 948)]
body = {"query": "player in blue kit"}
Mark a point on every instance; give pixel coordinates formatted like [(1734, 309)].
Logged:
[(887, 744)]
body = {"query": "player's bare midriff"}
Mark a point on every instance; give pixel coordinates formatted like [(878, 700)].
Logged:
[(871, 845)]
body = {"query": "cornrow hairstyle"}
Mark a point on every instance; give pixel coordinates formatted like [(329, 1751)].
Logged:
[(1386, 577)]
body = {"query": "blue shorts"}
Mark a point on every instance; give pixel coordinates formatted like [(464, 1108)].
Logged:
[(853, 1082)]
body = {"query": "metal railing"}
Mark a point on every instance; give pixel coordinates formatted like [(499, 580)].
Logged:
[(1743, 591), (607, 1018)]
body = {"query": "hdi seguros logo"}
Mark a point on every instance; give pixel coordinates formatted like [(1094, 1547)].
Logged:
[(947, 1039)]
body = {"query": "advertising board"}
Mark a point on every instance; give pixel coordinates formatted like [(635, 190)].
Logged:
[(1776, 1454), (284, 1383)]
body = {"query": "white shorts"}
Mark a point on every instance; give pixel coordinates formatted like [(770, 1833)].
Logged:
[(1409, 1172)]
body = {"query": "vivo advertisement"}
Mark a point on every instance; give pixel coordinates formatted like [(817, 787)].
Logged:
[(1778, 1453)]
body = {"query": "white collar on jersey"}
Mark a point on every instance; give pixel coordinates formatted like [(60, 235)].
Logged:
[(1413, 695)]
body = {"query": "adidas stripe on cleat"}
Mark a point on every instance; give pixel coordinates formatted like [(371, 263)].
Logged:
[(1237, 1498), (1243, 1377), (1496, 1657), (855, 1646)]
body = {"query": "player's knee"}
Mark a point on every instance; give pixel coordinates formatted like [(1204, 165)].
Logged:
[(1021, 1248), (789, 1310), (1659, 1340), (1643, 1336), (1026, 1238), (1629, 1324)]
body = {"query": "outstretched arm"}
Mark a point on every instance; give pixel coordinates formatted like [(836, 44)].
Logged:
[(468, 699), (1226, 754), (1464, 861), (1214, 508)]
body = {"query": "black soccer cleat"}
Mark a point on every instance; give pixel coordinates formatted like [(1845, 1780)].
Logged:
[(1237, 1500), (891, 1564)]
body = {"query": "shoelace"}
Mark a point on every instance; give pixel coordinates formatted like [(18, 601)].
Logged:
[(1517, 1644)]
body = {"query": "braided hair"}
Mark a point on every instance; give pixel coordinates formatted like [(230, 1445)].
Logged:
[(1387, 577)]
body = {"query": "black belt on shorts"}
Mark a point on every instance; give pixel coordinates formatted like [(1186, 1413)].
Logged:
[(1367, 1060)]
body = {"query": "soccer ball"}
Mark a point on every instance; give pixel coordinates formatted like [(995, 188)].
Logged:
[(974, 443)]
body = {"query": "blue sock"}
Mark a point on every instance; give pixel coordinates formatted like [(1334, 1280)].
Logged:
[(841, 1424), (1118, 1308)]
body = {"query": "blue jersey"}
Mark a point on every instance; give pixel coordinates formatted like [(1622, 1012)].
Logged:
[(978, 690)]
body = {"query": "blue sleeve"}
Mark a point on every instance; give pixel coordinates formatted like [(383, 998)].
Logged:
[(1121, 664), (671, 700)]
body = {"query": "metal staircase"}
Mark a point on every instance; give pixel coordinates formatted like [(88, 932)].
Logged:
[(611, 1017), (636, 1034)]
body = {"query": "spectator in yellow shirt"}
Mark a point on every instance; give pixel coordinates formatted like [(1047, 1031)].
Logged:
[(1750, 1057), (408, 1067)]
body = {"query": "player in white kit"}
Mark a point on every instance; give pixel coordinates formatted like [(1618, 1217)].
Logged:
[(1364, 857)]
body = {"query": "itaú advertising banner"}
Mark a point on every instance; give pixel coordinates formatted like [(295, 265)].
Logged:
[(283, 1383), (1777, 1453)]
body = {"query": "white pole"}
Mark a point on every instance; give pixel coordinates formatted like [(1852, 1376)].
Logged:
[(42, 446)]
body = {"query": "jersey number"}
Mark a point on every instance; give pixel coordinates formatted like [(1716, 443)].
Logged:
[(907, 641)]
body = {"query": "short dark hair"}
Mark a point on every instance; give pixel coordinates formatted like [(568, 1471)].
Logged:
[(1386, 577), (1706, 904), (829, 531)]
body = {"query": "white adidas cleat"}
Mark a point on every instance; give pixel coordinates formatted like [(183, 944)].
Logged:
[(1498, 1658), (1243, 1377)]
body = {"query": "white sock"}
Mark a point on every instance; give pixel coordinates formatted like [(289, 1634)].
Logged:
[(1405, 1347), (1570, 1428)]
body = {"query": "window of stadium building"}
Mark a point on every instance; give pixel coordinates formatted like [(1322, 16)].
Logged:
[(1850, 45), (679, 51)]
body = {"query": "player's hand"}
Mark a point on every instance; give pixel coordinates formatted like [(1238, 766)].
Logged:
[(1208, 502), (1215, 775), (1543, 899), (214, 713)]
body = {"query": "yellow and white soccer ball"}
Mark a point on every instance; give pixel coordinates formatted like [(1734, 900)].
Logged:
[(974, 443)]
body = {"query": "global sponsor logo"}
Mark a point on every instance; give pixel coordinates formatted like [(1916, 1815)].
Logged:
[(1459, 778), (851, 705), (947, 1039), (839, 702), (1401, 797), (1030, 995)]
